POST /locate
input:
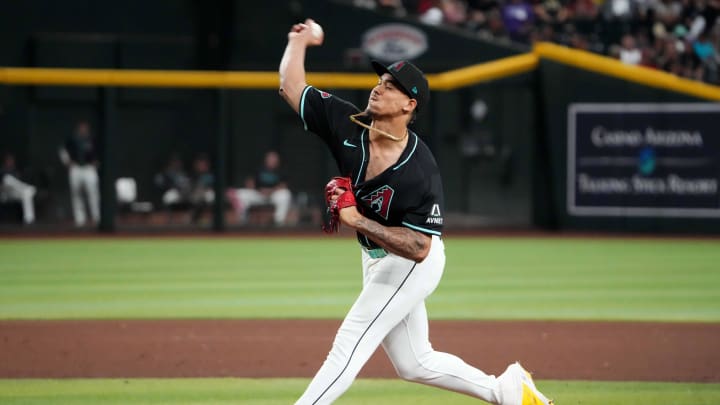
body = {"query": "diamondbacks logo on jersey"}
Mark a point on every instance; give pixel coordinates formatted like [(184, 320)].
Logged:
[(324, 94), (379, 200)]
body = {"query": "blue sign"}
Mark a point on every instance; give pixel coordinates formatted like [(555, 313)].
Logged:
[(644, 160)]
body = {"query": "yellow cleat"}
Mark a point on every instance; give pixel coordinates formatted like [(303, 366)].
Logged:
[(531, 395), (518, 388), (530, 398)]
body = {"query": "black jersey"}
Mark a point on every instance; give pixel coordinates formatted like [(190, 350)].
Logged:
[(409, 193), (80, 149)]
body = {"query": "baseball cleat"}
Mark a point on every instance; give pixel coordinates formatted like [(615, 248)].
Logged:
[(518, 388)]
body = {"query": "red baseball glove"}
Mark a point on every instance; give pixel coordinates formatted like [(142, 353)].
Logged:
[(346, 198)]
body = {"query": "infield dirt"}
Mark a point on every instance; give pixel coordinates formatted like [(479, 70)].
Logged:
[(615, 351)]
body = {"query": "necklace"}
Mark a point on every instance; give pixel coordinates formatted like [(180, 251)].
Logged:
[(388, 135)]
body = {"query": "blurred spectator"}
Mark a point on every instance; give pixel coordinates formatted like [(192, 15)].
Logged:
[(448, 12), (454, 12), (79, 156), (621, 17), (649, 57), (479, 14), (664, 33), (496, 26), (518, 18), (12, 188), (704, 18), (708, 58), (395, 8), (391, 7), (621, 10), (630, 54), (202, 194), (552, 13), (173, 183), (677, 57), (583, 15), (267, 187), (545, 33), (579, 41), (667, 12), (432, 15)]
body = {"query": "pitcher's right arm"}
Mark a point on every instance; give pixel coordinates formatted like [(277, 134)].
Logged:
[(292, 64)]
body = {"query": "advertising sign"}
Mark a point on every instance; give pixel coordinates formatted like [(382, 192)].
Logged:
[(643, 160), (392, 42)]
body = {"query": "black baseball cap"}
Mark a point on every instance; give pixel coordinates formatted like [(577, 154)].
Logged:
[(412, 81)]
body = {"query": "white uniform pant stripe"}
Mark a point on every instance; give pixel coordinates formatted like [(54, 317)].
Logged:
[(349, 360)]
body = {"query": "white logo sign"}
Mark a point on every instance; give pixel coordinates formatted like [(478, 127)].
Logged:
[(391, 42)]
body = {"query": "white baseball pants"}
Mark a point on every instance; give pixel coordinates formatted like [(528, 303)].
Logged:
[(14, 189), (84, 179), (247, 197), (391, 311)]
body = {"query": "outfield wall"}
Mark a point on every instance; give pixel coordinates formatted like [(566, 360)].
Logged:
[(499, 130), (625, 148), (150, 123)]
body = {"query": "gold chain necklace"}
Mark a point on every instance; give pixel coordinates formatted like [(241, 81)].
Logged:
[(388, 135)]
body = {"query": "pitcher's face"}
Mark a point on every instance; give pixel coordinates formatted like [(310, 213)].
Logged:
[(388, 99)]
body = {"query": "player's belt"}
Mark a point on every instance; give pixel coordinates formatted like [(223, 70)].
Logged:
[(378, 253)]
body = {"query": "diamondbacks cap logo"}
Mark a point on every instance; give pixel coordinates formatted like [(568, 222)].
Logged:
[(397, 66), (379, 200)]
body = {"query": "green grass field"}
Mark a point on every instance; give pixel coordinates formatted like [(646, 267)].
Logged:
[(523, 278), (363, 392), (485, 278)]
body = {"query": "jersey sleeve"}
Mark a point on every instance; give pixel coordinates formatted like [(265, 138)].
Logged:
[(428, 216), (324, 114)]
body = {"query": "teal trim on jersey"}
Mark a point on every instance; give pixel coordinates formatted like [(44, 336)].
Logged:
[(362, 163), (378, 253), (409, 155), (302, 106), (425, 230)]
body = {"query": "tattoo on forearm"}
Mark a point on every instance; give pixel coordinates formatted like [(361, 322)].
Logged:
[(401, 241)]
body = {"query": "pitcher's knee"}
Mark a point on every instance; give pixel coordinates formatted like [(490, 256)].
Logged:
[(412, 372)]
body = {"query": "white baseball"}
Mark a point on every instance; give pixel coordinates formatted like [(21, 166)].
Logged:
[(316, 30)]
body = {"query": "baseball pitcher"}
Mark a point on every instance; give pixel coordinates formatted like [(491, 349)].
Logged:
[(390, 193)]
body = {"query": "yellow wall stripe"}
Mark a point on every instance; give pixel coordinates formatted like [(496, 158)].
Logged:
[(483, 72), (449, 80), (135, 78), (638, 74), (253, 80), (173, 78)]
